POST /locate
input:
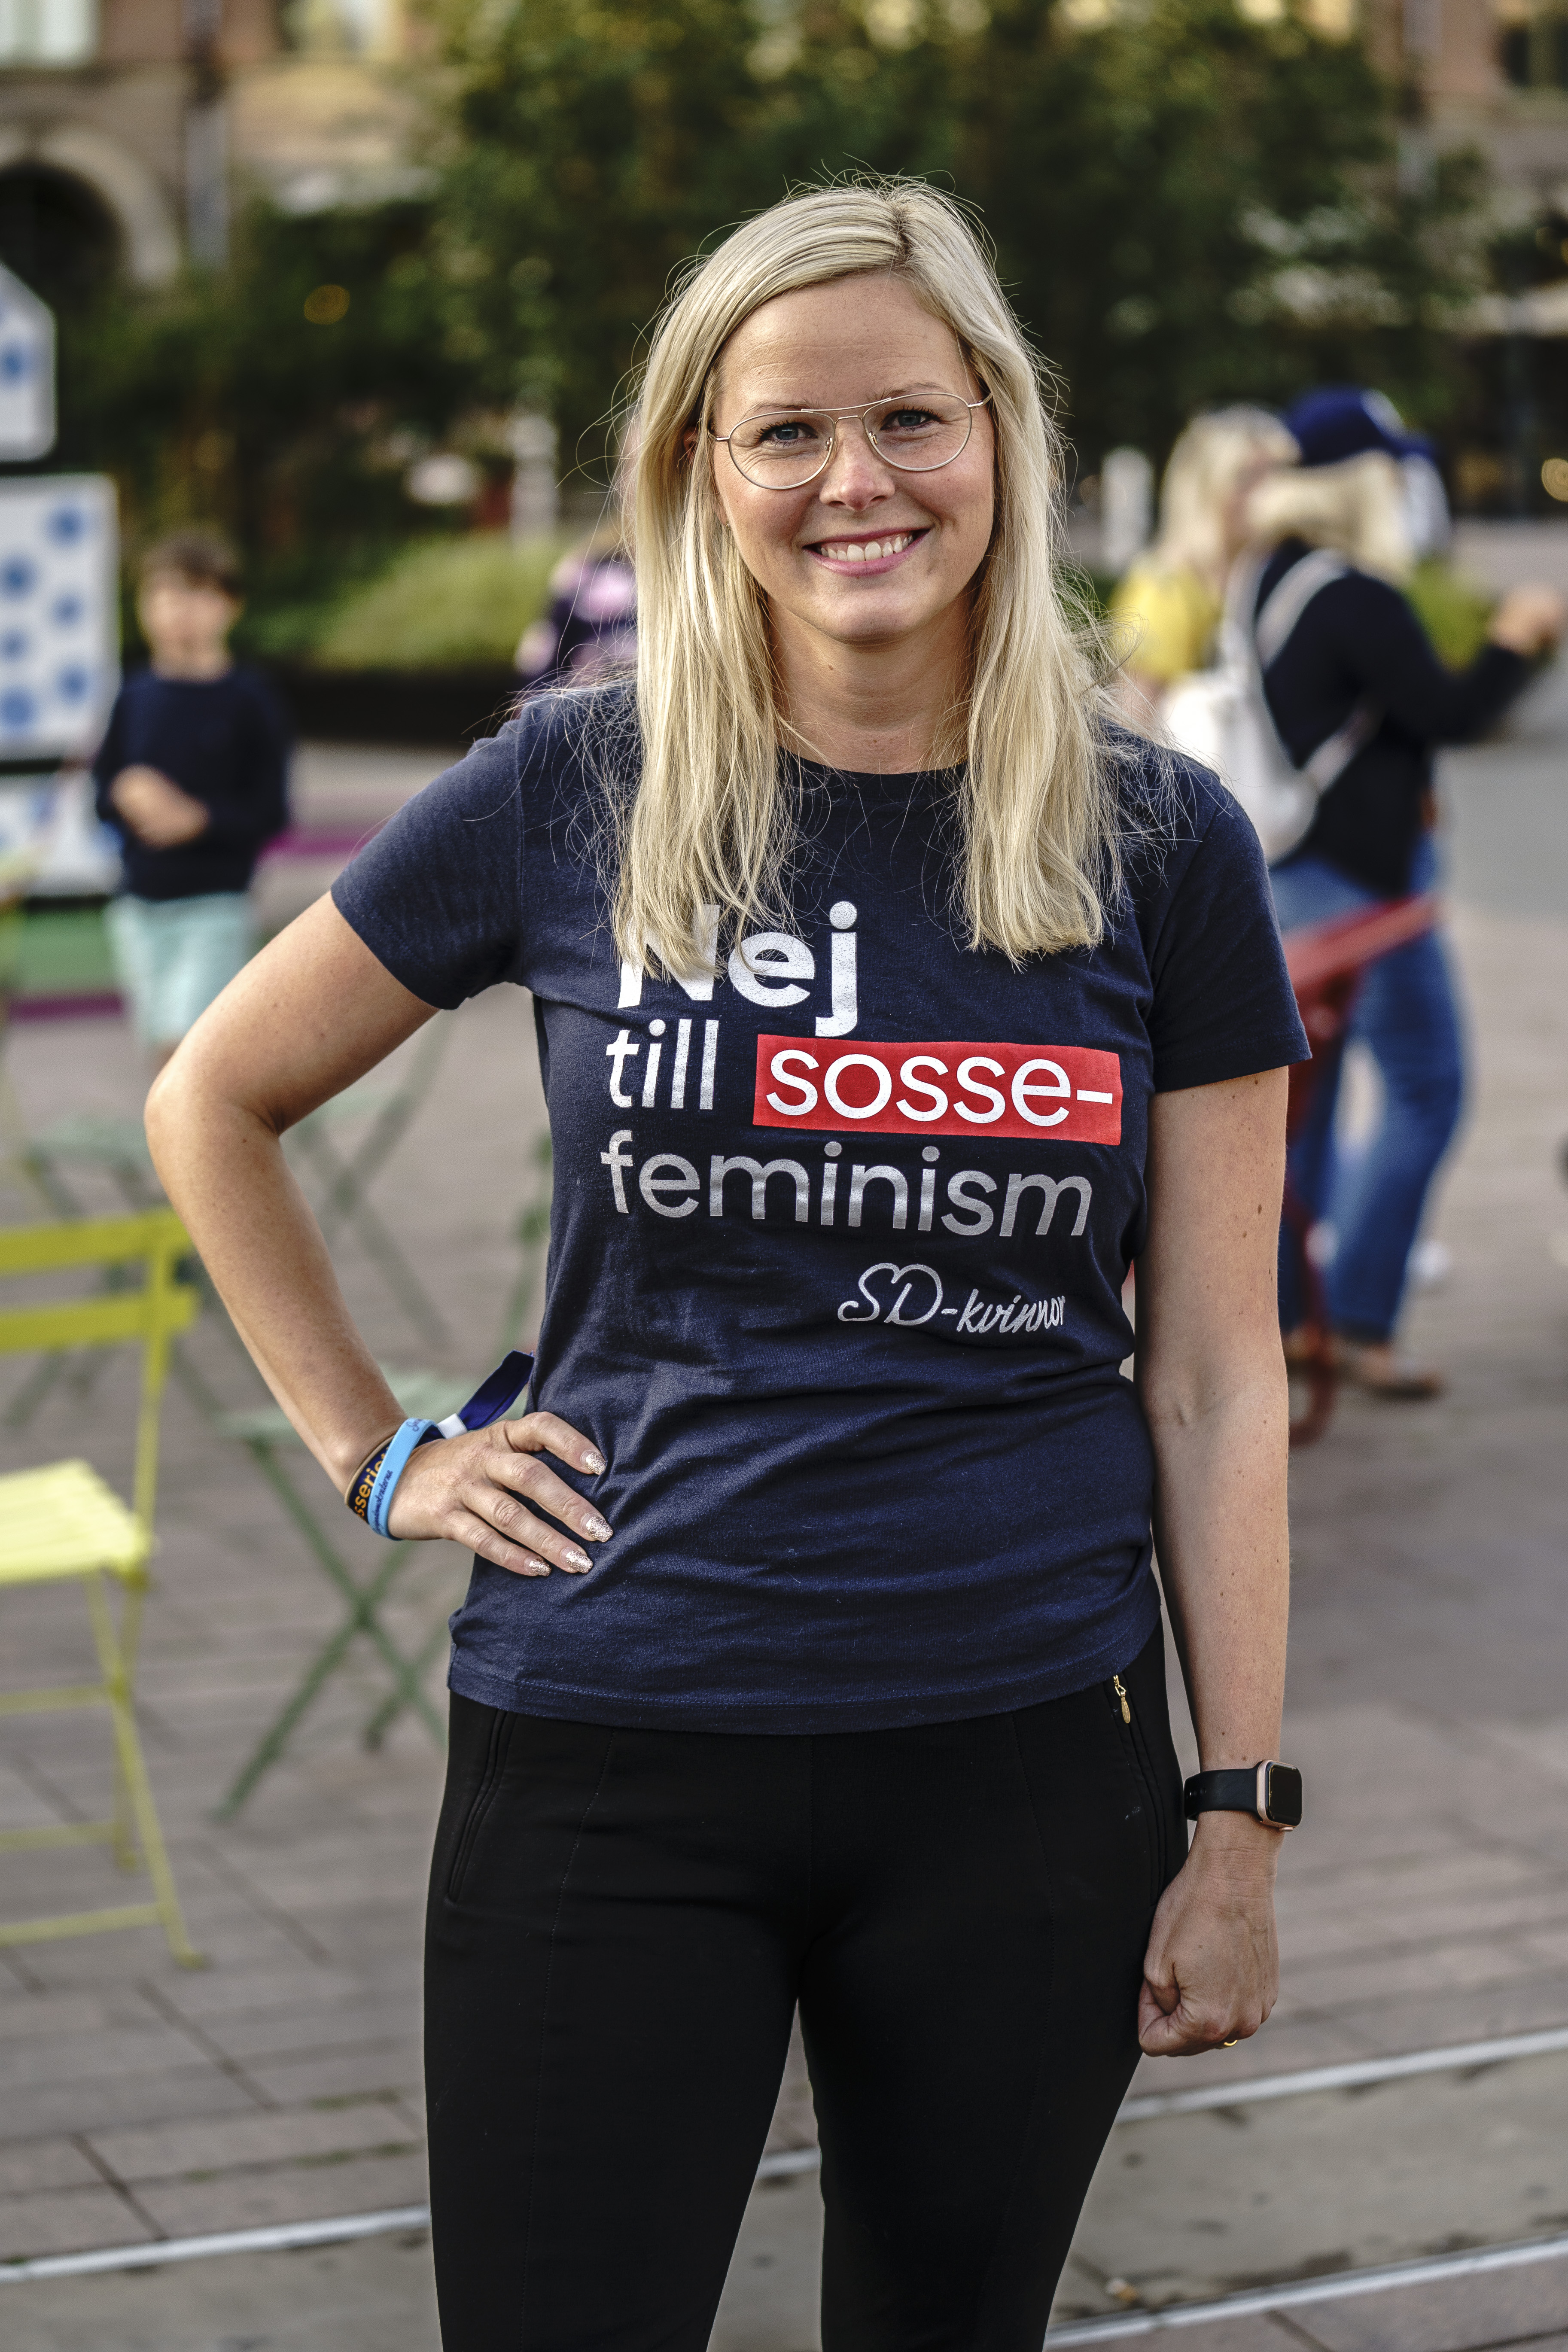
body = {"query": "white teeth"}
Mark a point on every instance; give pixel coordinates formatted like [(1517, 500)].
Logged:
[(871, 551)]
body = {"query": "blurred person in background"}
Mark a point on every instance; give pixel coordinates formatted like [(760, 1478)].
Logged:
[(1168, 604), (192, 775), (1358, 645), (588, 635), (862, 1704)]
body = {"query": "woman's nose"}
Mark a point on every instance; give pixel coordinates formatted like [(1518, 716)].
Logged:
[(855, 476)]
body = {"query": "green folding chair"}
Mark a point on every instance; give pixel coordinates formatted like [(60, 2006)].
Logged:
[(63, 1521)]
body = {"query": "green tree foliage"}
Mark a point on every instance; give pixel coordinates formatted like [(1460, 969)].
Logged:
[(1192, 208), (1188, 206), (221, 398), (591, 150)]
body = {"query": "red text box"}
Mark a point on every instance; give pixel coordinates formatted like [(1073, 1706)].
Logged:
[(945, 1086)]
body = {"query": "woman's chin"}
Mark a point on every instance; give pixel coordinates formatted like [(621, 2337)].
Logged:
[(866, 616)]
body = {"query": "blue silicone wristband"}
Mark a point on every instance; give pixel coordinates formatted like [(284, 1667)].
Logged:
[(394, 1462), (487, 1405)]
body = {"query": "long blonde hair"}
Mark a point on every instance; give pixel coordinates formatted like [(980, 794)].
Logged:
[(1357, 507), (1210, 462), (713, 822)]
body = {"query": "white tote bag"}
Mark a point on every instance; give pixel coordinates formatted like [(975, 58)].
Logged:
[(1221, 716)]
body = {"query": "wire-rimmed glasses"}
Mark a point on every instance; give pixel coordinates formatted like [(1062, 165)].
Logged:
[(784, 448)]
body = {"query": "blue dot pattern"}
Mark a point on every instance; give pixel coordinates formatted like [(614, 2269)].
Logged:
[(58, 607)]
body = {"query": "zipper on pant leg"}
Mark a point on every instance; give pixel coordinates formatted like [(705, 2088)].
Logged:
[(1143, 1780), (484, 1796), (1152, 1785)]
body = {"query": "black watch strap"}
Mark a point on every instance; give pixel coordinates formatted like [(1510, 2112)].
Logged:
[(1269, 1791)]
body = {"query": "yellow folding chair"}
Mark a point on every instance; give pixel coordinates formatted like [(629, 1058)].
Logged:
[(63, 1521)]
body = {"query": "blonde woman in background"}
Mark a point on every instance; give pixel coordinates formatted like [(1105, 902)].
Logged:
[(1168, 605), (1359, 645), (861, 1705)]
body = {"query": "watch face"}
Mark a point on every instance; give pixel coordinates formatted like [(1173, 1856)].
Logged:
[(1282, 1797)]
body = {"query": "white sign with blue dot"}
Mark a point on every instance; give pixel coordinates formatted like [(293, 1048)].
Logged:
[(26, 372), (59, 621)]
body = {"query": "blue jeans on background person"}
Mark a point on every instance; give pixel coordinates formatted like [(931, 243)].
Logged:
[(1406, 1015)]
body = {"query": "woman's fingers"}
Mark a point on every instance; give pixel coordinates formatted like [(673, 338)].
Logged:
[(1192, 2025), (511, 1473), (476, 1535), (546, 1433), (472, 1490)]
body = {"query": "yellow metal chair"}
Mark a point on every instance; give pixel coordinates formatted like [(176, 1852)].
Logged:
[(64, 1521)]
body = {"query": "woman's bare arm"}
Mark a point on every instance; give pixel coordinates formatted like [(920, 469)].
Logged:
[(1210, 1376), (310, 1014)]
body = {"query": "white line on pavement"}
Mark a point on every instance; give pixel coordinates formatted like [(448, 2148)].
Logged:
[(276, 2239), (1338, 2289), (1349, 2077), (279, 2237)]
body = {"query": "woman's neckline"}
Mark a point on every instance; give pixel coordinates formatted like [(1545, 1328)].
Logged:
[(883, 778)]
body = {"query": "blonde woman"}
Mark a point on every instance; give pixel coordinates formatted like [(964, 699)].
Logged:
[(1168, 605), (891, 1003)]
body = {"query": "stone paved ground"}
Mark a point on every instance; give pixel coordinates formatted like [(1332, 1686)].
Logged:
[(1428, 1903)]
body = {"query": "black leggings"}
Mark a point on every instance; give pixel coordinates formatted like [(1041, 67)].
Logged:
[(621, 1924)]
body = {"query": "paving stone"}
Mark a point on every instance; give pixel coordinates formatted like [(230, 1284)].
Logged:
[(375, 2296), (27, 2166), (250, 2199), (170, 2151), (63, 2058), (1208, 2204), (93, 2106), (770, 2299), (389, 2068), (1515, 2306), (65, 2222), (289, 2034), (1432, 2021)]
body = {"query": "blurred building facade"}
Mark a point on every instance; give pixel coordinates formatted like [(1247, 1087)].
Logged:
[(128, 128), (1489, 74)]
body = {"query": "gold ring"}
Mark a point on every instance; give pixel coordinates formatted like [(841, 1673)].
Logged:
[(1230, 2044)]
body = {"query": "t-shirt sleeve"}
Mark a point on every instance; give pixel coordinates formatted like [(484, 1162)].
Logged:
[(1224, 1006), (437, 897)]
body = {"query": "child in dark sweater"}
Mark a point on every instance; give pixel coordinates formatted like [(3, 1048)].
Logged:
[(192, 775)]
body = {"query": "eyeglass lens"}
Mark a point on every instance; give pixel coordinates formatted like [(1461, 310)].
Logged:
[(786, 450)]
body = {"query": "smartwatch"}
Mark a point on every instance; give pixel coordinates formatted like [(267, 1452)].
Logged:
[(1269, 1793)]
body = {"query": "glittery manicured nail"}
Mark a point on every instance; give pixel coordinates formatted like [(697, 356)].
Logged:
[(596, 1526), (535, 1568), (594, 1462), (578, 1560)]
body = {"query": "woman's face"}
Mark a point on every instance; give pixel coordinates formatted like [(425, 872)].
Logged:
[(841, 346)]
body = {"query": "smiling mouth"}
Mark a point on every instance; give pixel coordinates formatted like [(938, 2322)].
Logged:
[(854, 554)]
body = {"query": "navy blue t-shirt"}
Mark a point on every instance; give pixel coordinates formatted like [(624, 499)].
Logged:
[(838, 1245)]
